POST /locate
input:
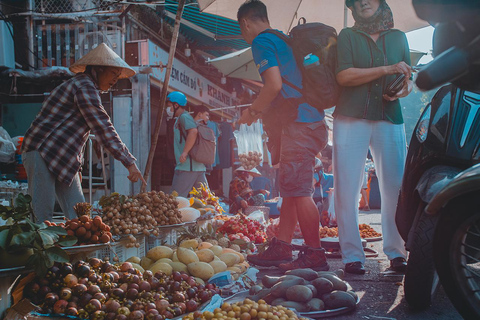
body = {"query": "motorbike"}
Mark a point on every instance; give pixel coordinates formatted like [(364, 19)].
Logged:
[(438, 212)]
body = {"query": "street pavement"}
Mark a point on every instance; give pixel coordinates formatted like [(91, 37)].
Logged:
[(381, 290)]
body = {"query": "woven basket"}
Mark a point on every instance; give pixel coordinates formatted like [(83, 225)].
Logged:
[(265, 210)]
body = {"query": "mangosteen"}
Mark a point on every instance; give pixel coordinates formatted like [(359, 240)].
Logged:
[(107, 277), (83, 314), (82, 270), (60, 306), (176, 286), (126, 277), (31, 289), (65, 269), (116, 276), (135, 315), (50, 299), (72, 304), (95, 263), (118, 293), (144, 286), (162, 305), (135, 279), (124, 310), (128, 303), (93, 305), (93, 289), (98, 315), (178, 297), (121, 317), (133, 286), (72, 311), (52, 273), (93, 278), (79, 289), (110, 316), (182, 306), (44, 290), (100, 297), (191, 293), (65, 293), (132, 294), (107, 266), (84, 299), (176, 311), (147, 274), (112, 306), (146, 295), (192, 305)]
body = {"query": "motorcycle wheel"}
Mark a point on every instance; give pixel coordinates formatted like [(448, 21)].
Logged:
[(421, 279), (457, 254)]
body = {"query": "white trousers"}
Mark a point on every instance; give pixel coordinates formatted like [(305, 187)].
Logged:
[(351, 139)]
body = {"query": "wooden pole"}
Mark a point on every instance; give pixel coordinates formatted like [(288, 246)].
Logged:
[(163, 97)]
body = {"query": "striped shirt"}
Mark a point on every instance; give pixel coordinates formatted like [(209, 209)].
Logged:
[(61, 129)]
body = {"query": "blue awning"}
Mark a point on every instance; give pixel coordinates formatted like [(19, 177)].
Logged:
[(210, 33)]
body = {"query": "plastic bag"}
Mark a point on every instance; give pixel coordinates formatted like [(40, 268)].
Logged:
[(332, 219), (250, 145), (7, 147)]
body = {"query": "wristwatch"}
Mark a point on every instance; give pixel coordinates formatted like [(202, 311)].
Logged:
[(252, 112)]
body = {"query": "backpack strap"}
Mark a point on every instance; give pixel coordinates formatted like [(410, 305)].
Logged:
[(287, 40), (183, 135)]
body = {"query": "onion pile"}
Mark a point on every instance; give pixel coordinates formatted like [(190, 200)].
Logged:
[(250, 160), (140, 214)]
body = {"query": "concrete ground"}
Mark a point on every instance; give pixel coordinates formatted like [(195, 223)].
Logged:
[(381, 290)]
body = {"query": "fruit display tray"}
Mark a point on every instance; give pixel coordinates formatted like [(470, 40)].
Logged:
[(240, 296)]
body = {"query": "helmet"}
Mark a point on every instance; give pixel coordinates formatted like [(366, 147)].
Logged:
[(177, 97)]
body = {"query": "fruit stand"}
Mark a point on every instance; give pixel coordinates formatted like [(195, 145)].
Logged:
[(157, 256)]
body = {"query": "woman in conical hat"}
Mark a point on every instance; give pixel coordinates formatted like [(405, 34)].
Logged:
[(241, 194), (52, 149)]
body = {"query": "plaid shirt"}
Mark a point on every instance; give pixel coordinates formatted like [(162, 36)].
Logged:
[(61, 129)]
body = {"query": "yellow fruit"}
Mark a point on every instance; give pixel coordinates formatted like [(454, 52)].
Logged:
[(204, 245), (205, 255), (174, 257), (190, 243), (163, 267), (186, 256), (138, 267), (134, 259), (159, 252), (218, 266), (201, 270), (229, 258), (178, 266), (217, 250), (146, 262)]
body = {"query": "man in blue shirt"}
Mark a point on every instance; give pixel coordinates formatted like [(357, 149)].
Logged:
[(303, 134), (188, 172)]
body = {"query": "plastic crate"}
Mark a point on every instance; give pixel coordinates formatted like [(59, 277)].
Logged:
[(166, 237), (119, 249)]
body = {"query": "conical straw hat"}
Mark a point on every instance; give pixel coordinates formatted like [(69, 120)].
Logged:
[(102, 55)]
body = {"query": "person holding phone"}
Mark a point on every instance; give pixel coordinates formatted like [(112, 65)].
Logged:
[(370, 55)]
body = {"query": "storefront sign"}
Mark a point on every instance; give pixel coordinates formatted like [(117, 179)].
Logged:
[(188, 81)]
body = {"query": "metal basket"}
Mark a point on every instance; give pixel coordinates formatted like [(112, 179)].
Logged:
[(265, 210)]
